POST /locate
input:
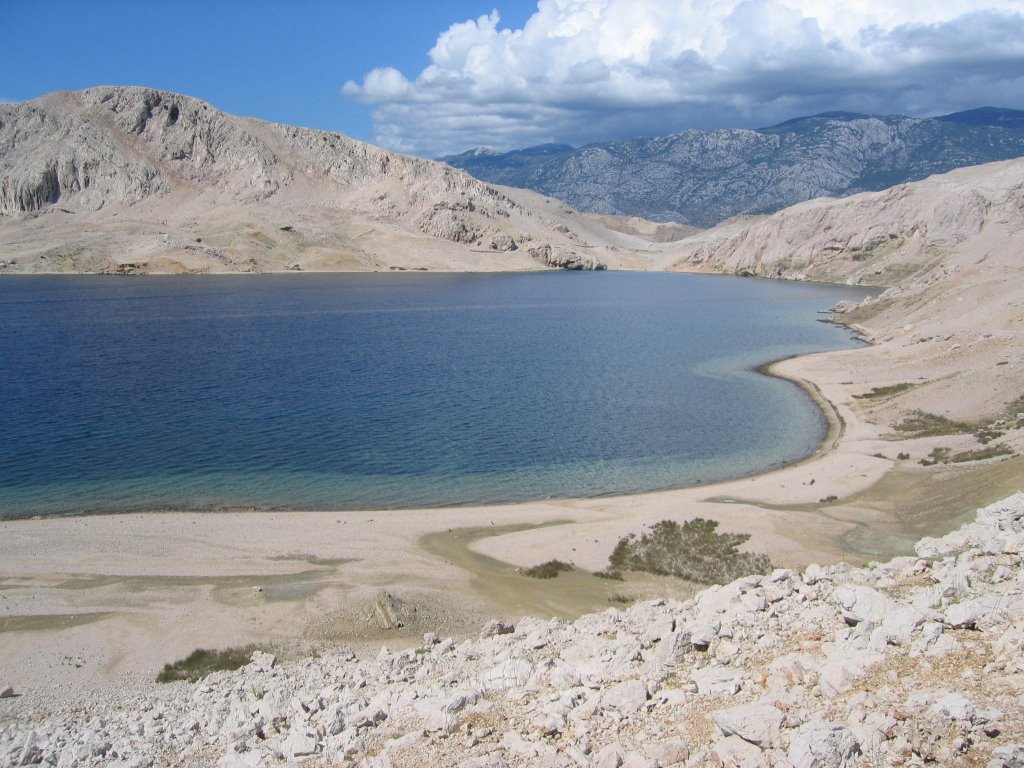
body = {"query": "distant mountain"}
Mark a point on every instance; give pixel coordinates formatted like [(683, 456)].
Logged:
[(1012, 119), (700, 178), (126, 179)]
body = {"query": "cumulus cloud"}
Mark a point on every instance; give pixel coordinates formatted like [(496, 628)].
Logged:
[(592, 70)]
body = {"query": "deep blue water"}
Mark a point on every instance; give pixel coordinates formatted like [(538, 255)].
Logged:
[(375, 391)]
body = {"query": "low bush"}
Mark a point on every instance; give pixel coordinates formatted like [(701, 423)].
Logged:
[(547, 570), (989, 452), (892, 389), (936, 456), (924, 424), (691, 551), (202, 662)]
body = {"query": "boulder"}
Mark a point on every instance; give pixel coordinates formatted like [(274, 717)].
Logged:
[(716, 681), (388, 611), (627, 697), (822, 744), (757, 723), (860, 603), (496, 627)]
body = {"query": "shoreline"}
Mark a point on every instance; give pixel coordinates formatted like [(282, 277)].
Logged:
[(834, 428), (145, 589)]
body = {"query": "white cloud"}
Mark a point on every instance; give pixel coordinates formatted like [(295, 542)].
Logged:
[(590, 70)]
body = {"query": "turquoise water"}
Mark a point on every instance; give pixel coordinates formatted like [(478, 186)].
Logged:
[(394, 390)]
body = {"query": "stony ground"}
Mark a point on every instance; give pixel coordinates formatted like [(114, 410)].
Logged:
[(910, 662)]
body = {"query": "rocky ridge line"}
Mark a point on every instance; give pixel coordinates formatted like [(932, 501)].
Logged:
[(911, 662)]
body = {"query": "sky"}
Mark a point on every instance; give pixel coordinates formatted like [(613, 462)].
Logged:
[(435, 77)]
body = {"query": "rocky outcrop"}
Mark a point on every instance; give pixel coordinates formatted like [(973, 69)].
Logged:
[(704, 177), (911, 662), (76, 163)]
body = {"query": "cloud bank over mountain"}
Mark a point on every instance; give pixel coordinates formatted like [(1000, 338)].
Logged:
[(588, 70)]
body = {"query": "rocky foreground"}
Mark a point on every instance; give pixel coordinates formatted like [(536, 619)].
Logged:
[(914, 661)]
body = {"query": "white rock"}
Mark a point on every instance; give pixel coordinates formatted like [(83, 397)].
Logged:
[(899, 625), (700, 635), (627, 697), (496, 627), (962, 615), (610, 756), (514, 673), (486, 761), (299, 744), (734, 751), (821, 744), (714, 681), (955, 707), (862, 603), (757, 723), (262, 661)]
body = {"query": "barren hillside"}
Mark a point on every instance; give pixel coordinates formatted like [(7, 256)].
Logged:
[(114, 179)]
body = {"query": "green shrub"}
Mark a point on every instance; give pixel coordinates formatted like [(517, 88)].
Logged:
[(202, 662), (937, 455), (609, 573), (547, 570), (989, 452), (691, 551), (923, 424), (892, 389)]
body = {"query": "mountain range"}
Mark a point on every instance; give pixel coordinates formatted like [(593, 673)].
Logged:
[(701, 178)]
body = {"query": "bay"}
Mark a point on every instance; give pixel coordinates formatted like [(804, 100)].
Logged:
[(369, 391)]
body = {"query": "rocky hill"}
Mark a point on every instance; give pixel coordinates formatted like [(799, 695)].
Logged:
[(911, 662), (136, 180), (949, 250), (701, 178)]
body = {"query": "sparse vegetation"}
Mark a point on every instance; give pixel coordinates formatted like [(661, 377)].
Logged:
[(548, 570), (981, 454), (892, 389), (902, 455), (988, 433), (935, 456), (946, 456), (829, 499), (619, 597), (691, 551), (924, 424), (610, 573), (202, 662)]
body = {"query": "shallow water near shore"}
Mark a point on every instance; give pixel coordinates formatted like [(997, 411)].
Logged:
[(346, 391)]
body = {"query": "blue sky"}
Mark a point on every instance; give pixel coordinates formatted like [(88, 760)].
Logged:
[(282, 61), (439, 77)]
